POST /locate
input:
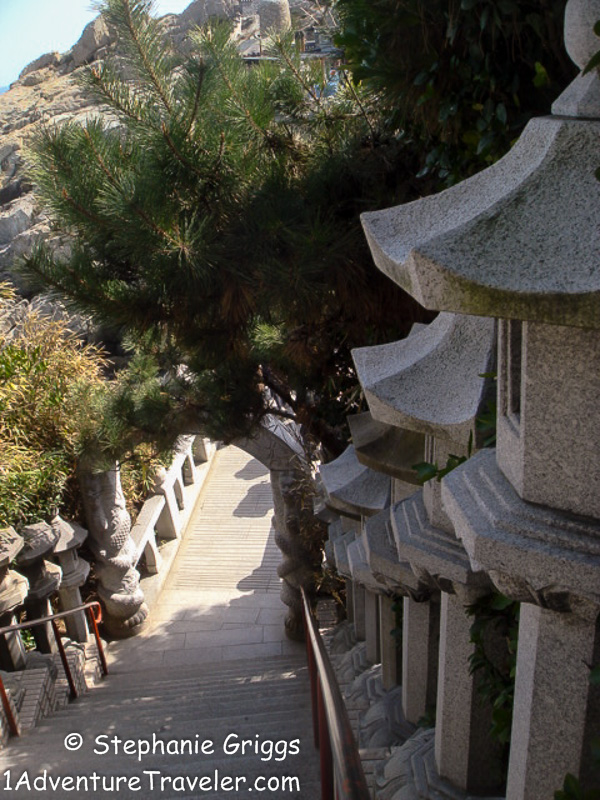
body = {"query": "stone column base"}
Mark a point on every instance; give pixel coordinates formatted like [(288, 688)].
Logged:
[(410, 773)]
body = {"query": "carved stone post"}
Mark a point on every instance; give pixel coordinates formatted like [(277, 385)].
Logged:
[(75, 571), (13, 591), (278, 447), (420, 637), (44, 579), (109, 525), (553, 693)]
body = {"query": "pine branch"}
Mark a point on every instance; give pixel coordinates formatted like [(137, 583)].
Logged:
[(279, 47), (134, 207), (264, 134), (96, 81), (123, 14)]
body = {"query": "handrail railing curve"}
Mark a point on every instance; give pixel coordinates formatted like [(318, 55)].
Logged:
[(94, 612), (334, 731)]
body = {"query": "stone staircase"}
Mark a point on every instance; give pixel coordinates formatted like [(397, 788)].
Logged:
[(212, 663), (264, 703)]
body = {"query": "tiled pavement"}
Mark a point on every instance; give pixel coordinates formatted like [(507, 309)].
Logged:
[(221, 599)]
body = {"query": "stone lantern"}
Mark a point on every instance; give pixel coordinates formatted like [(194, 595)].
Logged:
[(13, 591), (44, 579), (433, 384), (356, 493), (520, 242), (75, 571)]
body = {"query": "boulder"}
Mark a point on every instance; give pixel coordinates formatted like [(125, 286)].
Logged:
[(16, 219), (47, 60), (95, 36)]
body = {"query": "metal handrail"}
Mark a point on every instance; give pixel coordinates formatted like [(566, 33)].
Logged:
[(94, 613), (333, 733)]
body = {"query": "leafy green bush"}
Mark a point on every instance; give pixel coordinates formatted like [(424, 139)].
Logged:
[(459, 77), (42, 367)]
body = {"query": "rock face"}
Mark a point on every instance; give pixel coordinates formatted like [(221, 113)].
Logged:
[(47, 92)]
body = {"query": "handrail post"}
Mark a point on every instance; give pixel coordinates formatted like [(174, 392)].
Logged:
[(325, 754), (65, 660), (100, 649), (10, 717)]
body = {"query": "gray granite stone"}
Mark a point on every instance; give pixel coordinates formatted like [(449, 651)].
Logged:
[(548, 433), (391, 656), (372, 626), (39, 540), (13, 591), (531, 553), (465, 753), (431, 381), (340, 549), (358, 614), (359, 568), (71, 535), (420, 648), (410, 773), (580, 41), (497, 243), (437, 557), (353, 489), (10, 546), (556, 709), (276, 444), (384, 563)]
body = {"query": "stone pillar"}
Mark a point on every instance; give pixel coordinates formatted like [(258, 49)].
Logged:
[(466, 755), (420, 646), (556, 710), (358, 602), (372, 627), (109, 525), (391, 654)]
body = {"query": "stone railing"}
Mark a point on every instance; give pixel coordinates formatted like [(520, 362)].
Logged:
[(164, 515)]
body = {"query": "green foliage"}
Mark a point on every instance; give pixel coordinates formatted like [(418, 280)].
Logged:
[(460, 77), (572, 790), (55, 406), (43, 368), (216, 224), (497, 614)]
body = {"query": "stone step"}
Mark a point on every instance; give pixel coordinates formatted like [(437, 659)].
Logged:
[(266, 703)]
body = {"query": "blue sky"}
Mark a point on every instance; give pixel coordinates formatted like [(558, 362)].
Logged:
[(30, 28)]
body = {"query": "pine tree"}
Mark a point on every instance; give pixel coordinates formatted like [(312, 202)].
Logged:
[(212, 215)]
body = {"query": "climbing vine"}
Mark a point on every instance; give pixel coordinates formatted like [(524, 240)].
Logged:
[(497, 614)]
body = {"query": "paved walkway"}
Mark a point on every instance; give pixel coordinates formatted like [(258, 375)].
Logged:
[(221, 600)]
